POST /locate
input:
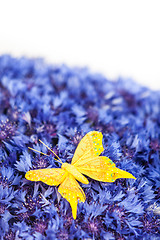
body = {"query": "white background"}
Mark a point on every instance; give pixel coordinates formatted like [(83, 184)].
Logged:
[(115, 38)]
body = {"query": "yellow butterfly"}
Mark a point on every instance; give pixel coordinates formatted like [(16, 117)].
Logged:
[(86, 160)]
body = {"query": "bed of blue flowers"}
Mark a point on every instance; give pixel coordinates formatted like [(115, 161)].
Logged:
[(59, 105)]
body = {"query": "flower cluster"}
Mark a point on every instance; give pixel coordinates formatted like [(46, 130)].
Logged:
[(59, 105)]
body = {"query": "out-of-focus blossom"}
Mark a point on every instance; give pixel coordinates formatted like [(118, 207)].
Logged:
[(59, 105)]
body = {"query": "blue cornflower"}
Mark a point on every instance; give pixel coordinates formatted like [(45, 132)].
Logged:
[(59, 105)]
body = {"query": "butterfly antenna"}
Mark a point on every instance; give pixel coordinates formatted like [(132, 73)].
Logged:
[(51, 151), (38, 151), (41, 153)]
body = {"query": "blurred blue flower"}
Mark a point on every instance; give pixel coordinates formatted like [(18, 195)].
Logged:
[(59, 105)]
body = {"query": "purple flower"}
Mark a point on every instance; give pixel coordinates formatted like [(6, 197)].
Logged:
[(7, 130), (59, 105)]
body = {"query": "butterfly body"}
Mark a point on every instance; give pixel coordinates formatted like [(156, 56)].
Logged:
[(86, 160), (71, 169)]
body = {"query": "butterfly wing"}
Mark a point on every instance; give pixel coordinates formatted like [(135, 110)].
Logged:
[(87, 160), (50, 176), (69, 187), (71, 190), (102, 169), (89, 146)]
